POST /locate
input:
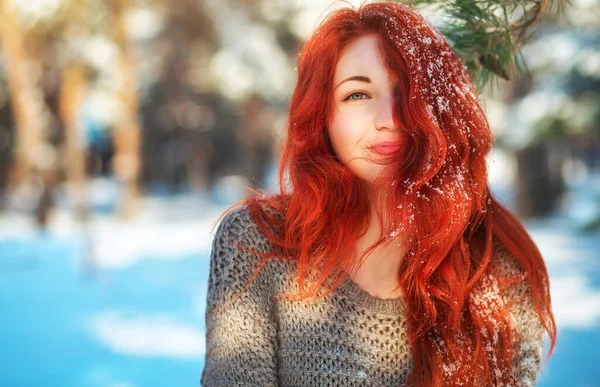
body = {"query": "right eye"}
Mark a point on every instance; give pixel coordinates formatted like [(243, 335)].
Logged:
[(356, 96)]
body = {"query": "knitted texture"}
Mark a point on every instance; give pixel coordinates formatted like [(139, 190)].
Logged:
[(349, 338)]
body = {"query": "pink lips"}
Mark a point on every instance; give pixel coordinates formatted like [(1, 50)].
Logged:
[(386, 147)]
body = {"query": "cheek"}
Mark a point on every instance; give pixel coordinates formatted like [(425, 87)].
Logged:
[(348, 134), (345, 133)]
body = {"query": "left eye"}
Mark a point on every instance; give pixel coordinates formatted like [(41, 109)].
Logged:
[(355, 96)]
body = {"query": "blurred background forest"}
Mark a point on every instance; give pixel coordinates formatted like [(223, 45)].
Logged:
[(127, 126)]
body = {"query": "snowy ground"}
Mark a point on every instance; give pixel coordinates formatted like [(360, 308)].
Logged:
[(122, 304)]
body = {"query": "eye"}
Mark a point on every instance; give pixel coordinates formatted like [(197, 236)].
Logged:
[(356, 96)]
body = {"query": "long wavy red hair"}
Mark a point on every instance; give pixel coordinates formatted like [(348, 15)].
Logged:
[(434, 191)]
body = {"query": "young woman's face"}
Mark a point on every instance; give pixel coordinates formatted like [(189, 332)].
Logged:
[(364, 94)]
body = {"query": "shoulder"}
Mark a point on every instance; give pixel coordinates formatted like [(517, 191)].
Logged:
[(506, 282), (238, 250), (231, 266), (504, 265), (516, 289), (238, 226), (236, 219), (518, 295)]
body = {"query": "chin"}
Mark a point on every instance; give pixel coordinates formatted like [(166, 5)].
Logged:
[(367, 172)]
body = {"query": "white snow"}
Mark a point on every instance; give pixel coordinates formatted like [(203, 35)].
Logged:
[(150, 335)]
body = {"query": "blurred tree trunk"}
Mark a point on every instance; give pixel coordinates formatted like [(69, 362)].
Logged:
[(71, 98), (539, 179), (257, 135), (25, 97), (7, 138), (35, 159), (126, 136), (539, 182)]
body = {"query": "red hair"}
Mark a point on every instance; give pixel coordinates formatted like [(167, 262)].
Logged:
[(434, 191)]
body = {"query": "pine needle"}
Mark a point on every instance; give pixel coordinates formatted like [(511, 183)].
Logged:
[(488, 35)]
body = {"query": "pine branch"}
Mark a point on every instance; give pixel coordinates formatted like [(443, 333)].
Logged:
[(484, 37)]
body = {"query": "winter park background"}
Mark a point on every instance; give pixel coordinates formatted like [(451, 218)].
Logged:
[(103, 281)]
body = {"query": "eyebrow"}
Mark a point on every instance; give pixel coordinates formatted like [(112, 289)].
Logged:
[(360, 78)]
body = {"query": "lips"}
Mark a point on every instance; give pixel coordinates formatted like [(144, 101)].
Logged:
[(386, 147)]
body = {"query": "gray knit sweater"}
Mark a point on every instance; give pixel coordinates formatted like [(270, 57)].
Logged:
[(349, 338)]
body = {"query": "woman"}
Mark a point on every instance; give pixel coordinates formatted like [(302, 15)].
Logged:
[(385, 260)]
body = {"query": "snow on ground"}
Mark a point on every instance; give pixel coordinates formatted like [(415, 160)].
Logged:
[(136, 316), (161, 229)]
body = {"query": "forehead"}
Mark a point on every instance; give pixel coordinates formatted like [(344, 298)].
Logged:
[(361, 57)]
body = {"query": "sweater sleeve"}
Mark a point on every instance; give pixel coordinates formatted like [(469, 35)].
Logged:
[(241, 339), (529, 344)]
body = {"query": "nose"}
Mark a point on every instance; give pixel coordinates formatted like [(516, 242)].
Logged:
[(384, 117)]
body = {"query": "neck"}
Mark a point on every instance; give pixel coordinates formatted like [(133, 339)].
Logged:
[(380, 268)]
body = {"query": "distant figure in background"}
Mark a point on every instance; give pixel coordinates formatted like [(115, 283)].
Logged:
[(99, 145), (257, 135)]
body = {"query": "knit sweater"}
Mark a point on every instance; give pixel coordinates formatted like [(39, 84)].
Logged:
[(349, 338)]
